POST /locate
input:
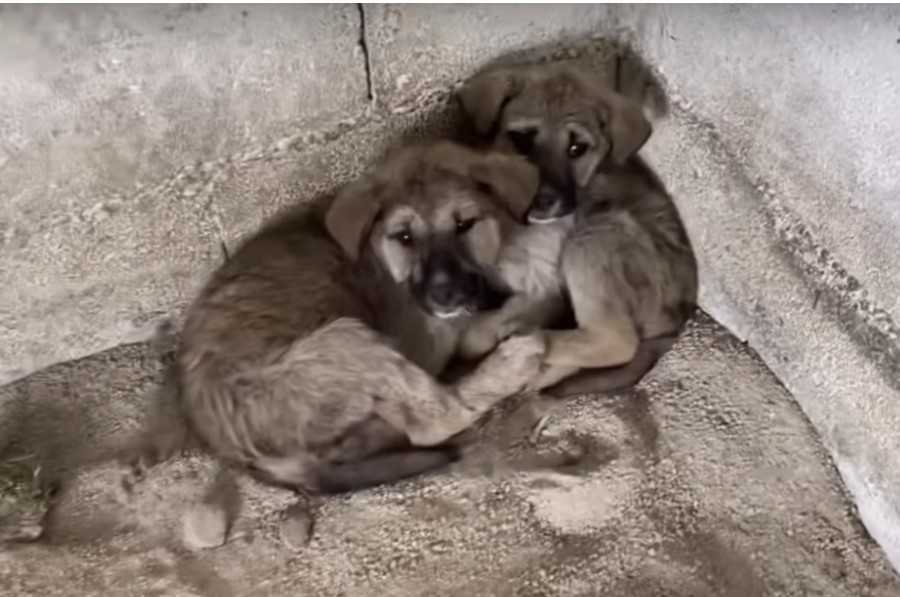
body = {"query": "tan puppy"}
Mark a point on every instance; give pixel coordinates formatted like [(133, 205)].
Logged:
[(626, 263), (309, 358)]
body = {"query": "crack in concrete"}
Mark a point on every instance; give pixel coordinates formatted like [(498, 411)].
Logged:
[(870, 325), (617, 72), (364, 46), (196, 182)]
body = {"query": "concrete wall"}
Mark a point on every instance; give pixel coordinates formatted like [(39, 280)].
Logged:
[(115, 122), (784, 149), (138, 143)]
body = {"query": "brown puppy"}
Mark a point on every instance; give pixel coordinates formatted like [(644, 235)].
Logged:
[(309, 359), (627, 263)]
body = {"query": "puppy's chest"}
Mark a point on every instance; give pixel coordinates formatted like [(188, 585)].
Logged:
[(529, 263), (426, 341)]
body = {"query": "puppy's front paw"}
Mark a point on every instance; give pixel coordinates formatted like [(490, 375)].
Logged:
[(522, 357), (513, 327), (543, 378), (477, 342)]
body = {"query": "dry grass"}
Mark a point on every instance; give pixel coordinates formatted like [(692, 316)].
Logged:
[(23, 499)]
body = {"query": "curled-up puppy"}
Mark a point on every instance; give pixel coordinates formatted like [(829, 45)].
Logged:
[(625, 261), (309, 360)]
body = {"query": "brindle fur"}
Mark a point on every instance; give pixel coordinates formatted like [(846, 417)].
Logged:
[(309, 358), (627, 263)]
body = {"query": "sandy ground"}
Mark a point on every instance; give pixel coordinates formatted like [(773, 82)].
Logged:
[(705, 480)]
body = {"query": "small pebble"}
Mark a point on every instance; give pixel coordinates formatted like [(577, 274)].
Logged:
[(296, 528), (204, 526)]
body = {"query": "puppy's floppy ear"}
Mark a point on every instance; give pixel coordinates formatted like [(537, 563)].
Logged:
[(350, 216), (483, 96), (508, 177), (624, 123)]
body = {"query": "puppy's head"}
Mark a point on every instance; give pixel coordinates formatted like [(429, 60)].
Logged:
[(435, 216), (569, 125)]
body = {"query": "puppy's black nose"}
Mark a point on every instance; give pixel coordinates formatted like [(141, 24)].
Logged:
[(550, 203), (545, 199), (442, 289)]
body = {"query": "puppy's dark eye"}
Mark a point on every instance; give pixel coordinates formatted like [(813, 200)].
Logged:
[(576, 149), (464, 225), (523, 141), (404, 237)]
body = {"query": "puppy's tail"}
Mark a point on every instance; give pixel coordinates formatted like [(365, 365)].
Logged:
[(612, 379), (383, 468), (165, 434), (166, 431)]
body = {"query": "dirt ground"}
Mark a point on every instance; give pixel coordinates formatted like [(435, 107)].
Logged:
[(705, 480)]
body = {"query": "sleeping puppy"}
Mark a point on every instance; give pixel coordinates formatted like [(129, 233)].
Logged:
[(309, 358), (625, 261)]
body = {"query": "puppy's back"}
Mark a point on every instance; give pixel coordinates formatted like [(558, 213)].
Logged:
[(631, 228), (283, 283)]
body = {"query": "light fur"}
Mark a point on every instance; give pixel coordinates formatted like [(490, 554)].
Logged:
[(626, 264), (309, 359)]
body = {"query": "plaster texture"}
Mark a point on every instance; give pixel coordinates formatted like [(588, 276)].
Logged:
[(785, 145), (688, 486), (137, 144), (115, 121), (781, 148)]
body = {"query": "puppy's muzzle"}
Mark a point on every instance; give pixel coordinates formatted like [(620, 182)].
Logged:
[(450, 288), (549, 204)]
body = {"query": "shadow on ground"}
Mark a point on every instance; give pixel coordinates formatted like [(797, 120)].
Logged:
[(704, 480)]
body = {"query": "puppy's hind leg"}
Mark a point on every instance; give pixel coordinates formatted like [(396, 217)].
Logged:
[(520, 313), (407, 397), (165, 434), (605, 336), (612, 379), (571, 351), (346, 374), (432, 413), (383, 468), (369, 453)]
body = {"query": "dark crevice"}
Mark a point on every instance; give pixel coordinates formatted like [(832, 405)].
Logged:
[(617, 76), (364, 46), (224, 248)]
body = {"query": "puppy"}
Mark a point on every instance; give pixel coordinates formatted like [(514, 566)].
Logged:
[(624, 258), (309, 358)]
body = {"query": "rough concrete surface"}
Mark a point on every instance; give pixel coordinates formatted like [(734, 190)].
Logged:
[(415, 50), (692, 484), (781, 151), (137, 144), (113, 119)]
